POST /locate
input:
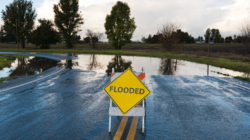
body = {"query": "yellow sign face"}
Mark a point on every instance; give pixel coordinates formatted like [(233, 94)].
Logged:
[(126, 91)]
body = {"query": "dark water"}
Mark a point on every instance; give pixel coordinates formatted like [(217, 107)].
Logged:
[(104, 64)]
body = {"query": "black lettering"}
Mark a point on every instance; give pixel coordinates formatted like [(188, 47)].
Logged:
[(115, 90), (130, 91), (111, 88), (142, 91), (124, 90), (136, 91), (120, 89)]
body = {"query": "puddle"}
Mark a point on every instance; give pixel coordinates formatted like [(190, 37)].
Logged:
[(28, 66), (104, 64), (152, 66)]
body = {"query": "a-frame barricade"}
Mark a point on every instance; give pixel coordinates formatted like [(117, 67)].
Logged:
[(136, 111)]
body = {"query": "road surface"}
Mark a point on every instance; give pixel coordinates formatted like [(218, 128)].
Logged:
[(63, 103)]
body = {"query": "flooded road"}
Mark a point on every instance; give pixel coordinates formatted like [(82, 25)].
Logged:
[(68, 103)]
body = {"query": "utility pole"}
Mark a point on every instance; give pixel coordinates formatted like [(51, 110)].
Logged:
[(208, 42), (17, 33), (208, 32)]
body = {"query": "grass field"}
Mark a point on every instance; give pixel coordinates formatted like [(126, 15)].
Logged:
[(129, 46)]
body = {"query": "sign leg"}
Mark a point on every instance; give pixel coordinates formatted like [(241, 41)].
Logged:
[(143, 119), (113, 70), (110, 116), (109, 124)]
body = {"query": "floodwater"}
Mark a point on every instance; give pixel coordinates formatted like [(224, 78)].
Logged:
[(67, 101), (104, 63)]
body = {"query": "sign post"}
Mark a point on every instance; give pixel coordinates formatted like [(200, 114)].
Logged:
[(127, 90)]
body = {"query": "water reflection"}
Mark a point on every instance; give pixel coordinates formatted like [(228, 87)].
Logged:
[(93, 63), (70, 64), (98, 63), (119, 64), (168, 66), (31, 66)]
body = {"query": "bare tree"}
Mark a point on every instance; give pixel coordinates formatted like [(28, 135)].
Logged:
[(245, 31), (167, 36), (94, 37)]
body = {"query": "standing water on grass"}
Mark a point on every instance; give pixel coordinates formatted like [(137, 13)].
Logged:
[(28, 66), (152, 66), (104, 64)]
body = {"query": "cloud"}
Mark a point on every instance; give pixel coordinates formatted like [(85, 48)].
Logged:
[(235, 14), (194, 16), (46, 10)]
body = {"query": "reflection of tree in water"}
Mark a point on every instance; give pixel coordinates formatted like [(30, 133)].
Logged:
[(69, 63), (247, 75), (37, 65), (119, 64), (33, 66), (93, 63), (168, 66)]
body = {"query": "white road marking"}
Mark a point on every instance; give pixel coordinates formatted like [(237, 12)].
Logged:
[(233, 83), (30, 81)]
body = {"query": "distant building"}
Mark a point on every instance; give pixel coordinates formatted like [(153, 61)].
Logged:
[(136, 42), (199, 42)]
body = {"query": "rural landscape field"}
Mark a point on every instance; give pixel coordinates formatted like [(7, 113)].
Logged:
[(106, 69)]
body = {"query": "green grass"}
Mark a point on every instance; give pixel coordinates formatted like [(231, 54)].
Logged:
[(128, 46), (6, 79), (243, 78)]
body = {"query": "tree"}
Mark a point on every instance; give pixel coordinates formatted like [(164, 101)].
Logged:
[(93, 37), (184, 37), (143, 39), (155, 39), (168, 37), (149, 39), (76, 38), (119, 26), (239, 39), (45, 34), (68, 20), (207, 36), (6, 36), (245, 32), (215, 35), (229, 39), (86, 40), (19, 19), (222, 40)]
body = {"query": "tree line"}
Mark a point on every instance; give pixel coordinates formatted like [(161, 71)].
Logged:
[(19, 19), (182, 37)]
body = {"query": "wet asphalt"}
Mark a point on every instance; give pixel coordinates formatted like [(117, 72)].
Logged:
[(63, 103)]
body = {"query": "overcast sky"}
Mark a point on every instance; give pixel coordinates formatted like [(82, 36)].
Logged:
[(193, 16)]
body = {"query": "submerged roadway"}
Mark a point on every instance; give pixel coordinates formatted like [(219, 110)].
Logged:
[(63, 103)]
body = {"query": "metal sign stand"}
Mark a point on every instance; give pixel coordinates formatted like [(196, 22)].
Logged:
[(136, 111)]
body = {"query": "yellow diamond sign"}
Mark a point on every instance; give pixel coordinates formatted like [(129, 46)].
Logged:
[(126, 91)]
